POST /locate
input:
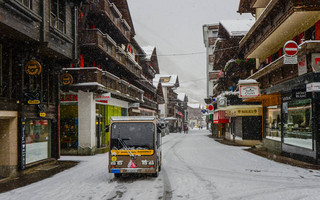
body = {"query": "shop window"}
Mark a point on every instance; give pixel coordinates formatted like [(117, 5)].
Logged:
[(58, 14), (69, 126), (27, 3), (38, 139), (273, 123), (297, 119)]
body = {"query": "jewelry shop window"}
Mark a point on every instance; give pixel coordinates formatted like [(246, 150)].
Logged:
[(297, 118), (273, 123)]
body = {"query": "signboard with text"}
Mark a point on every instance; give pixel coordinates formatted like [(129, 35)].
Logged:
[(313, 87), (290, 49), (249, 91), (103, 98)]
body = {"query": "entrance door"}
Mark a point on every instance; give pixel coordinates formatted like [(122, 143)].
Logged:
[(99, 130)]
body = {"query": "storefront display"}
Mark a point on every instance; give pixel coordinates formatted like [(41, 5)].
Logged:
[(273, 123), (38, 139), (297, 127), (69, 126)]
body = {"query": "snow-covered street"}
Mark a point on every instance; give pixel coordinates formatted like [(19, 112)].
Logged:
[(194, 167)]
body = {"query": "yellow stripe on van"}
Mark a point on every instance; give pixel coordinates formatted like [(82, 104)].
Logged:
[(134, 152)]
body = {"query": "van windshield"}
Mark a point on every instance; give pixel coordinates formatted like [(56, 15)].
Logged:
[(133, 135)]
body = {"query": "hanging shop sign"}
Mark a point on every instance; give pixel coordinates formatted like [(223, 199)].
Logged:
[(313, 87), (249, 91), (66, 79), (290, 49), (33, 68), (315, 62), (302, 65), (103, 98), (32, 98)]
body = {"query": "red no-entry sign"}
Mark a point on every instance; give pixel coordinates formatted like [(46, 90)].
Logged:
[(210, 107), (290, 48)]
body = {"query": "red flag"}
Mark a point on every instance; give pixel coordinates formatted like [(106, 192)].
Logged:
[(220, 72)]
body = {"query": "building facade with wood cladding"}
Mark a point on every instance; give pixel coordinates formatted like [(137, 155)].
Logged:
[(112, 78), (37, 39), (289, 90)]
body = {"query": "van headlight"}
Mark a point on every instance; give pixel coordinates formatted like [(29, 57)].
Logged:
[(151, 162), (112, 163), (120, 162), (144, 162)]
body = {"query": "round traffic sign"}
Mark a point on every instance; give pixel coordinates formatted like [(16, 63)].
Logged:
[(210, 107), (290, 48)]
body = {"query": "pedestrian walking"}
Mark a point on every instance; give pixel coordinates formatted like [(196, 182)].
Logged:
[(186, 129)]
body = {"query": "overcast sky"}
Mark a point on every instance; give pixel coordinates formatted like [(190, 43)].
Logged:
[(174, 27)]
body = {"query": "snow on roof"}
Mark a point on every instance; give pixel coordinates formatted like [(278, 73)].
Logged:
[(173, 79), (248, 81), (237, 27), (148, 50), (181, 96), (194, 105)]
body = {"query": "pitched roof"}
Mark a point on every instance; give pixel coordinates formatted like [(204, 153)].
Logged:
[(173, 80), (237, 27), (148, 50)]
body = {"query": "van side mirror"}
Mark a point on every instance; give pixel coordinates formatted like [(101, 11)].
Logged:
[(106, 129)]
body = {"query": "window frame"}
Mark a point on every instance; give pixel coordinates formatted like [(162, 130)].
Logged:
[(26, 3), (55, 18)]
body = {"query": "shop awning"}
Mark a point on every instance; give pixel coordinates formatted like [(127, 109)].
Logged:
[(266, 99), (220, 117)]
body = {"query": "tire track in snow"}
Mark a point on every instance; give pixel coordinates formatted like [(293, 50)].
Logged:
[(209, 185), (167, 189)]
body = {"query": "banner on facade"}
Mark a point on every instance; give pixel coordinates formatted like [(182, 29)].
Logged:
[(302, 65), (315, 62), (103, 98)]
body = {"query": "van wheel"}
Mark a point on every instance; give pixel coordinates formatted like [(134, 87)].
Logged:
[(156, 174), (117, 175)]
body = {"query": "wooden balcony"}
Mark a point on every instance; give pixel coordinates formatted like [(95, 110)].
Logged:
[(94, 38), (133, 66), (112, 14), (148, 103), (279, 22), (145, 83), (94, 79)]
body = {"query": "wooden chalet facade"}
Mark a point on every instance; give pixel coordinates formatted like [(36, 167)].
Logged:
[(37, 40)]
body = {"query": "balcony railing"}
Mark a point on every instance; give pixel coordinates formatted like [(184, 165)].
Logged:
[(113, 13), (93, 76), (94, 37), (85, 75), (99, 40), (149, 103), (273, 25)]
